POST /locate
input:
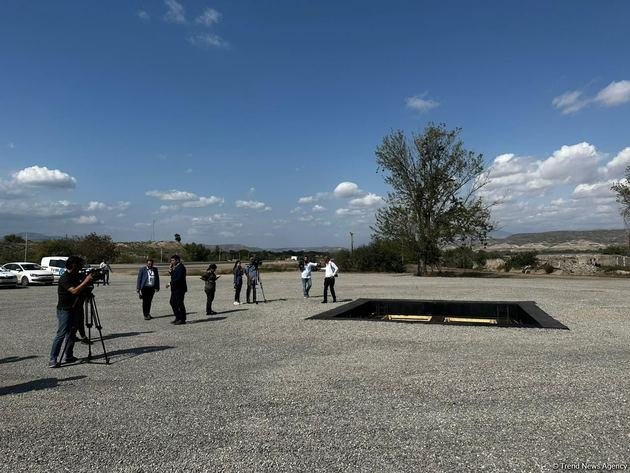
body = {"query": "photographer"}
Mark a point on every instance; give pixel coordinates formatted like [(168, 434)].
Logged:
[(68, 291), (251, 272)]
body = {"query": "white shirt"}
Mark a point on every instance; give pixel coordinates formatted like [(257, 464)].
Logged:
[(331, 270), (150, 278), (308, 269)]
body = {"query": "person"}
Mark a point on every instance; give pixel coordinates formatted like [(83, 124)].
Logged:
[(68, 290), (147, 284), (329, 279), (105, 268), (179, 288), (210, 277), (306, 268), (238, 272), (251, 271)]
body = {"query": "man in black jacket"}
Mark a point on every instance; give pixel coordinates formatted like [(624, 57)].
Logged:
[(178, 289), (147, 284)]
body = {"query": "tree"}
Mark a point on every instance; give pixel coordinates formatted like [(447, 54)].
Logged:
[(434, 199), (622, 189), (13, 238), (178, 238), (95, 248)]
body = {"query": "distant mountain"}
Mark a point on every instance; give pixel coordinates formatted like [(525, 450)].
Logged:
[(34, 236), (606, 237)]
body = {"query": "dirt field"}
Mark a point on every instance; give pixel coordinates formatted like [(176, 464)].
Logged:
[(260, 388)]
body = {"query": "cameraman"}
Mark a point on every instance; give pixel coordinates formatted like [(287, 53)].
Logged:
[(251, 272), (68, 290)]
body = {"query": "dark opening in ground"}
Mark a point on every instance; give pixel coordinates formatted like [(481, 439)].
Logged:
[(487, 313)]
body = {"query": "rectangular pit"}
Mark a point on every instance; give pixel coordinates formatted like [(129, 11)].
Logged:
[(524, 314)]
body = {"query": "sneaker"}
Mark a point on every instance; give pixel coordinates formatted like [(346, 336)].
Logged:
[(179, 322), (236, 303), (53, 364), (324, 302), (213, 313), (71, 359)]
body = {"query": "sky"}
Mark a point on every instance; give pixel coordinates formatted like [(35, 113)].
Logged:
[(256, 122)]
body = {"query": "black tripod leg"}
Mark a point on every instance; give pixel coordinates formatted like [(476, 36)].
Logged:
[(88, 323), (97, 324)]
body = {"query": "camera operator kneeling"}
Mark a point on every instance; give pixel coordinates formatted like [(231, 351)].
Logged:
[(68, 290)]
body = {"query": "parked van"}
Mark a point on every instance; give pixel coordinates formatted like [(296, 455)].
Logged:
[(55, 264)]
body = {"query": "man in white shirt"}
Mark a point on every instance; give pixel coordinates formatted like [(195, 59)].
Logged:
[(307, 268), (329, 279)]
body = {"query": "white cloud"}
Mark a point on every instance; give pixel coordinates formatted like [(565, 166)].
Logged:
[(306, 200), (209, 17), (616, 93), (143, 15), (296, 210), (347, 212), (175, 12), (172, 195), (42, 176), (203, 202), (11, 146), (267, 208), (421, 104), (93, 205), (208, 40), (168, 208), (47, 209), (616, 167), (575, 163), (369, 200), (306, 218), (250, 204), (85, 220), (570, 102), (595, 190), (347, 189), (319, 208)]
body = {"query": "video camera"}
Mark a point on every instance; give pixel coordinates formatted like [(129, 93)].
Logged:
[(98, 274), (256, 262)]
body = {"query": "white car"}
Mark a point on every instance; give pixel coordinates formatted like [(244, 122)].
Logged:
[(54, 264), (7, 278), (30, 273)]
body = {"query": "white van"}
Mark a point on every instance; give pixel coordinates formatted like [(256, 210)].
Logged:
[(55, 264)]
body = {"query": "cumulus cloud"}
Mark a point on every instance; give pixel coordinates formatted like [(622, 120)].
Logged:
[(309, 199), (573, 163), (421, 104), (595, 190), (208, 40), (319, 208), (349, 212), (368, 200), (250, 204), (616, 167), (347, 189), (85, 220), (175, 12), (42, 176), (93, 205), (614, 94), (46, 209), (172, 195), (203, 202), (209, 17)]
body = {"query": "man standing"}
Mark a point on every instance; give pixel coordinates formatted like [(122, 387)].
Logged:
[(329, 279), (105, 268), (251, 272), (307, 268), (147, 284), (68, 290), (178, 289)]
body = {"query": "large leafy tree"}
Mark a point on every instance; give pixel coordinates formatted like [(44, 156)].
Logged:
[(95, 248), (622, 191), (434, 199)]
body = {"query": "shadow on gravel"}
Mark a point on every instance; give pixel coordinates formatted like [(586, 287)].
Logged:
[(209, 319), (233, 310), (124, 334), (272, 300), (15, 359), (37, 385), (125, 354), (169, 315)]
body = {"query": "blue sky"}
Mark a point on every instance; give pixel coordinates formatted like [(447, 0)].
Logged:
[(256, 122)]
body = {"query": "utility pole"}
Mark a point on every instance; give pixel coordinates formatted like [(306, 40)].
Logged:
[(351, 244), (26, 246)]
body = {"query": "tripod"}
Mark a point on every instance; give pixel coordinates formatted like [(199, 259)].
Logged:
[(90, 314), (262, 289)]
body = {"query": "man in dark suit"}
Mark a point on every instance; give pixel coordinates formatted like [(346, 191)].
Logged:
[(178, 289), (147, 284)]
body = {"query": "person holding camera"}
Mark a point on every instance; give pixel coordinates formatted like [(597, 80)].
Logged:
[(69, 290), (147, 284), (329, 279), (251, 272), (179, 288)]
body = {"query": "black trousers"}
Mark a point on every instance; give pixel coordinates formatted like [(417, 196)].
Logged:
[(147, 298), (237, 292), (177, 303), (329, 283), (209, 299)]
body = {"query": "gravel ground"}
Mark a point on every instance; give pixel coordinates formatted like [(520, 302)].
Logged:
[(260, 388)]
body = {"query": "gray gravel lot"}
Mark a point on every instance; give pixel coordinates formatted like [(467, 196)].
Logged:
[(260, 388)]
